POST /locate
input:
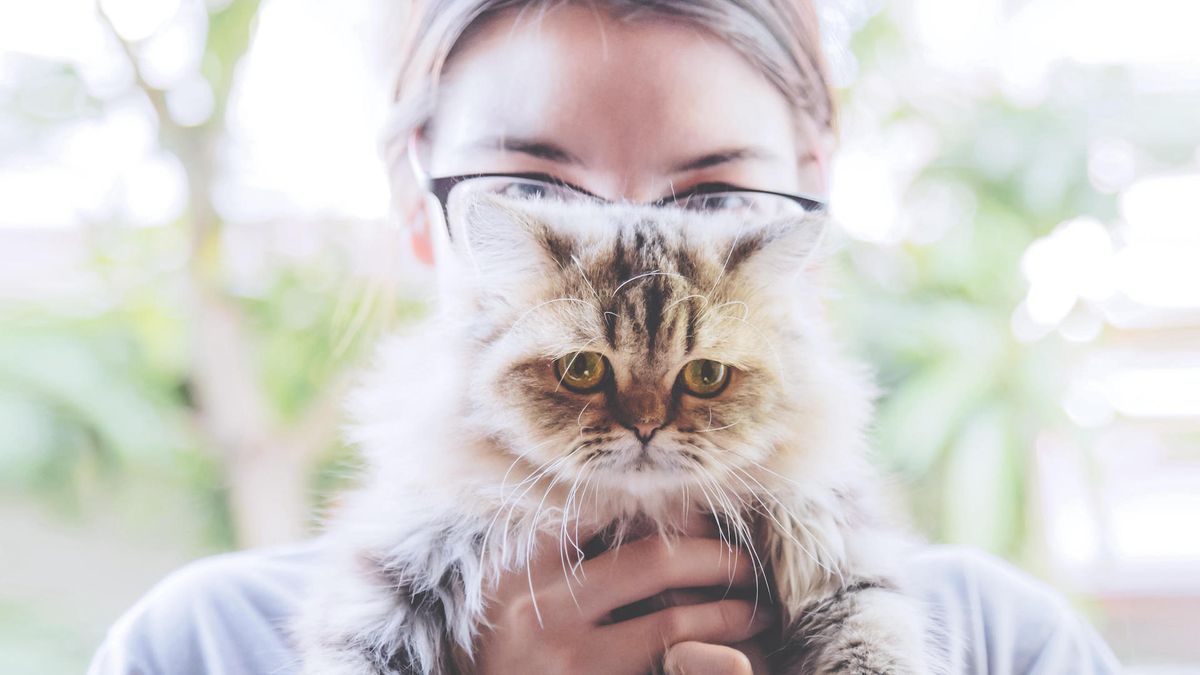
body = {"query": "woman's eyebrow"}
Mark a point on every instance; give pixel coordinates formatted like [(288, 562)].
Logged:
[(723, 157), (533, 147)]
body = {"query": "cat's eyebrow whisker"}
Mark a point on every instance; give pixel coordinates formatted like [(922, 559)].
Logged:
[(643, 275), (616, 317), (583, 275), (685, 299), (725, 263), (745, 307), (545, 303)]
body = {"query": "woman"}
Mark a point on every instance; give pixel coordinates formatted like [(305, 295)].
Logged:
[(632, 101)]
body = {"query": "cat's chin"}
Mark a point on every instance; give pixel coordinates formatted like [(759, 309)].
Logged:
[(642, 476), (623, 493)]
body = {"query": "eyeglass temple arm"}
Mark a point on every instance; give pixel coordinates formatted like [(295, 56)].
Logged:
[(423, 179), (414, 160)]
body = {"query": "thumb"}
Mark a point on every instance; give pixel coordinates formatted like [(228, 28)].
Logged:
[(700, 658)]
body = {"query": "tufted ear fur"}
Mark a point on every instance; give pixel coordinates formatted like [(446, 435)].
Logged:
[(502, 244), (779, 250)]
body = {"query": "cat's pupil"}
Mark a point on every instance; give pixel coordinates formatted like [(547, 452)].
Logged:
[(708, 372), (582, 368)]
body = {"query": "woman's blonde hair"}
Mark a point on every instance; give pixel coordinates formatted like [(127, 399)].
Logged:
[(779, 37)]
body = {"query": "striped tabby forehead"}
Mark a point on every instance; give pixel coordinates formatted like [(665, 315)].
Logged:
[(646, 285), (649, 283), (650, 287)]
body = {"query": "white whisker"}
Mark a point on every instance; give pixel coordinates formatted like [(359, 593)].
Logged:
[(548, 302), (643, 275), (725, 263), (704, 431), (583, 275)]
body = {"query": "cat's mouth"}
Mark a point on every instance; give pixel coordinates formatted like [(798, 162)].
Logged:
[(642, 461), (642, 458)]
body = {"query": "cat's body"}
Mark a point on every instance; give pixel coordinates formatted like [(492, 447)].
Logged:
[(475, 449)]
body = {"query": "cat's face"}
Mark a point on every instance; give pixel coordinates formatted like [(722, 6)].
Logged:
[(642, 348)]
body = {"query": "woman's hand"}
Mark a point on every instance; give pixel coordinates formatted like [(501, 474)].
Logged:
[(701, 658), (568, 629)]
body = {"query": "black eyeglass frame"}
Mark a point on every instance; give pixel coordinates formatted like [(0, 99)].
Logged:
[(441, 186)]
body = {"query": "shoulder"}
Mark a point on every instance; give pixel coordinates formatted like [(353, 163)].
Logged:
[(222, 614), (995, 618)]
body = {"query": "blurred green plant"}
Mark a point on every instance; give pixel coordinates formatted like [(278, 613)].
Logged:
[(963, 399), (171, 374)]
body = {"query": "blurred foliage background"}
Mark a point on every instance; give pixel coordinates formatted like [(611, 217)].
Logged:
[(195, 252)]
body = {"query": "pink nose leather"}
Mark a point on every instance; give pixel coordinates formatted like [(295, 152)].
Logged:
[(645, 431)]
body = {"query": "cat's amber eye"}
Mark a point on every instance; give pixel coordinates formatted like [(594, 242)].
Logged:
[(704, 378), (581, 372)]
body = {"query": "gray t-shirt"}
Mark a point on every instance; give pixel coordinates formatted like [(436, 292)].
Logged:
[(228, 615)]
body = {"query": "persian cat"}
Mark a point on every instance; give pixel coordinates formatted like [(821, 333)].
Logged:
[(616, 366)]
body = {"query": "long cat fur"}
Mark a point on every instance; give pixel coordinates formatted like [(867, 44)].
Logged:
[(473, 449)]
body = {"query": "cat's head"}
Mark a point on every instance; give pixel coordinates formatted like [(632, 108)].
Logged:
[(648, 348)]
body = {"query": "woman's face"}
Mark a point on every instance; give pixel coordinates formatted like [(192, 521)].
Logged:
[(625, 110)]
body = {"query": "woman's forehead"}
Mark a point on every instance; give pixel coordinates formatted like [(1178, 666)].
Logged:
[(639, 98)]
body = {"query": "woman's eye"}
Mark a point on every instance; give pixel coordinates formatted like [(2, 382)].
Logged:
[(533, 189), (581, 372), (724, 201), (704, 378), (523, 190)]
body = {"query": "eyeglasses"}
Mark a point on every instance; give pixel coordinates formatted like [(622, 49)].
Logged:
[(705, 197), (713, 197)]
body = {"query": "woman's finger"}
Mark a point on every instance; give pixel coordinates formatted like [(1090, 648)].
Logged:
[(647, 567), (723, 622), (702, 658), (554, 559)]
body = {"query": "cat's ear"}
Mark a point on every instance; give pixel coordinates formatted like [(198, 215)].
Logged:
[(503, 238), (780, 248)]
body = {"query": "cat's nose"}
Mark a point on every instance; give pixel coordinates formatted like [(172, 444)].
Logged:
[(645, 431)]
